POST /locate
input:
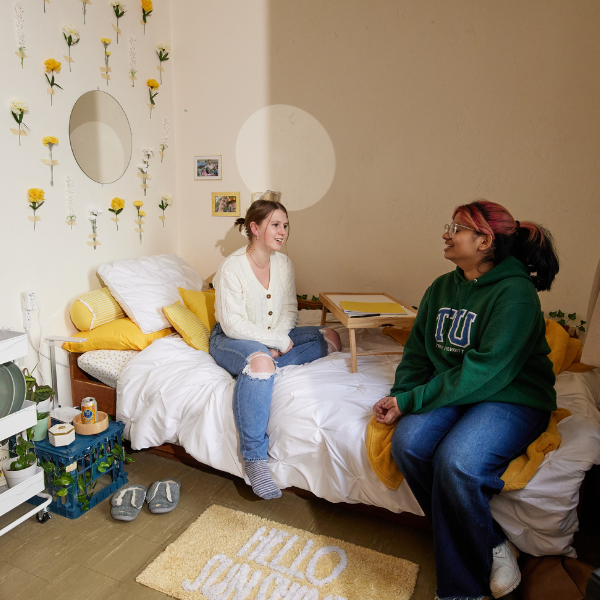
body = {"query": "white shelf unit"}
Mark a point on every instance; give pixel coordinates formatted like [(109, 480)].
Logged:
[(11, 348)]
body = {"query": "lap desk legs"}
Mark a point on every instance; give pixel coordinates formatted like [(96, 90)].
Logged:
[(331, 302)]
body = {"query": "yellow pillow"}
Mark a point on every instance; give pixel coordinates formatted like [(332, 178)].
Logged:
[(94, 309), (188, 325), (122, 334), (202, 304)]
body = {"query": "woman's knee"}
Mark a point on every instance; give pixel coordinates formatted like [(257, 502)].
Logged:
[(260, 364), (332, 337), (408, 443)]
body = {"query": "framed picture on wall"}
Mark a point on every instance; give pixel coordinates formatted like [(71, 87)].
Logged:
[(226, 204), (208, 167)]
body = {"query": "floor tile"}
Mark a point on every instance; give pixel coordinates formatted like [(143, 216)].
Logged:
[(77, 582), (161, 528), (16, 584)]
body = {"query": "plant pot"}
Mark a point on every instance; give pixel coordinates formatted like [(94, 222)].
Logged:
[(40, 429), (44, 405), (14, 478)]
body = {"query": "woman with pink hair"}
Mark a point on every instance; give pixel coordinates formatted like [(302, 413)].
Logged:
[(475, 387)]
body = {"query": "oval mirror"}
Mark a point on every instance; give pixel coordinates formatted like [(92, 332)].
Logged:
[(100, 136)]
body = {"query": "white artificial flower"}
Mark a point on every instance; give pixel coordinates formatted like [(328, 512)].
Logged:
[(94, 210), (19, 105), (143, 167), (118, 3), (164, 47), (71, 30), (149, 152), (167, 198)]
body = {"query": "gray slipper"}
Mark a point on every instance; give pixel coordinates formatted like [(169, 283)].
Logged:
[(163, 496), (128, 502)]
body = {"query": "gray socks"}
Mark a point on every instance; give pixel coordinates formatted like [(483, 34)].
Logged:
[(261, 480)]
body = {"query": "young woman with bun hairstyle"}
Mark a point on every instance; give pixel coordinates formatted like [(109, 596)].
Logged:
[(475, 387), (257, 310)]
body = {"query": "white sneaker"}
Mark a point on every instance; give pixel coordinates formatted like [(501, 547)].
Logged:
[(505, 575)]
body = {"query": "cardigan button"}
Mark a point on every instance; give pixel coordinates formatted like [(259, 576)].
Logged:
[(270, 312), (268, 296), (268, 328)]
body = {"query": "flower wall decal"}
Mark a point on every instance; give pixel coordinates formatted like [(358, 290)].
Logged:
[(165, 201), (52, 67), (152, 85), (162, 51), (72, 37), (70, 193), (50, 141), (116, 206), (20, 24), (35, 197), (105, 70), (147, 9), (140, 217), (18, 108), (119, 10), (164, 138), (94, 213)]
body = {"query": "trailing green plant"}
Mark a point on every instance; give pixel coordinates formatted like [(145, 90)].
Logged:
[(559, 317), (23, 449)]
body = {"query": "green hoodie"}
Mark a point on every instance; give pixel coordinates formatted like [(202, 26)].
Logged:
[(475, 341)]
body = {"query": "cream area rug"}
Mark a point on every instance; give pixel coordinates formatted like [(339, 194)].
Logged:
[(231, 555)]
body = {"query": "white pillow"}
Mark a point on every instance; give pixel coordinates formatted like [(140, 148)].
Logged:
[(143, 286)]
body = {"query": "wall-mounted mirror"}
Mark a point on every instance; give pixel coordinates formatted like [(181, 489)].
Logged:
[(100, 136)]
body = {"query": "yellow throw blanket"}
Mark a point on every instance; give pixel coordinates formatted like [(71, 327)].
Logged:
[(565, 354)]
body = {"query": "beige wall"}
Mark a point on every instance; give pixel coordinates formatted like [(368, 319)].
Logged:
[(425, 104), (55, 261)]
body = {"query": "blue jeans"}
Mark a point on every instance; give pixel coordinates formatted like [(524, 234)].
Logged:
[(452, 458), (252, 395)]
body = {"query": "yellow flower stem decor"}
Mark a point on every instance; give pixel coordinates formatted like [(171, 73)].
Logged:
[(147, 9), (20, 23), (50, 141), (71, 35), (140, 213), (162, 51), (35, 197), (152, 85), (106, 70), (52, 67), (18, 108), (116, 206), (165, 202)]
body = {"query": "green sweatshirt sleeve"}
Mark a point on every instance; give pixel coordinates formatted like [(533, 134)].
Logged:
[(505, 346), (416, 367)]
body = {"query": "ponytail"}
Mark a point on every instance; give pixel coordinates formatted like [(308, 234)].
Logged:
[(257, 212), (529, 242)]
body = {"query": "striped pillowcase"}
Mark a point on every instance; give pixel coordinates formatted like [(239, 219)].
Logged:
[(94, 309), (188, 326)]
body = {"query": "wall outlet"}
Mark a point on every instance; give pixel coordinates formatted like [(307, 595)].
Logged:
[(27, 304)]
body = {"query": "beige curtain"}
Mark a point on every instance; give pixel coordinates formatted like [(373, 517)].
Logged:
[(591, 349)]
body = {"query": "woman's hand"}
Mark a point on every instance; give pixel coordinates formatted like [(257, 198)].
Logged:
[(274, 353), (289, 347), (387, 411)]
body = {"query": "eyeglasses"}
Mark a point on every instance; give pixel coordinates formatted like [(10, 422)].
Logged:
[(451, 229)]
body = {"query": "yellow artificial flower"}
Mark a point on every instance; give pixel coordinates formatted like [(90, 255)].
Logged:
[(138, 203), (52, 66), (105, 41), (35, 196), (117, 204), (152, 83), (142, 213), (108, 53), (147, 5), (50, 139)]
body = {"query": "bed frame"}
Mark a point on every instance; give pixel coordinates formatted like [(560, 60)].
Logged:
[(83, 386)]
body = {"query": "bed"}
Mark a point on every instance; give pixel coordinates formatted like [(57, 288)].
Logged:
[(170, 393)]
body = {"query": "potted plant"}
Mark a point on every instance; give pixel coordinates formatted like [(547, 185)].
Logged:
[(559, 317), (24, 465), (42, 396)]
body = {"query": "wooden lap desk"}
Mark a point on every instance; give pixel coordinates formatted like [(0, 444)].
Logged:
[(331, 301)]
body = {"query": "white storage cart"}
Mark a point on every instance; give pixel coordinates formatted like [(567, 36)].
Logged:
[(13, 346)]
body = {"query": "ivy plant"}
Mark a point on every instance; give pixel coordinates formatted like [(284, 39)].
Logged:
[(24, 451)]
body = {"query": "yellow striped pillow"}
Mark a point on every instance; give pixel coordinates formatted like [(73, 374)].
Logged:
[(188, 326), (94, 309)]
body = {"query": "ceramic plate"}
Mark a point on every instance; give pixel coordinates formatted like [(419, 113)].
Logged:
[(19, 387), (12, 389)]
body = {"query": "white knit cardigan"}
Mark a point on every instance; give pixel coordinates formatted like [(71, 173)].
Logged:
[(248, 311)]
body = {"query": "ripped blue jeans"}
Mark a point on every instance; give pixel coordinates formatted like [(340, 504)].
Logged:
[(252, 395)]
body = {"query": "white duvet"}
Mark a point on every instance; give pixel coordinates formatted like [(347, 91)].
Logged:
[(170, 392)]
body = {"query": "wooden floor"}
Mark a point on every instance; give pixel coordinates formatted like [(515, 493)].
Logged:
[(96, 558)]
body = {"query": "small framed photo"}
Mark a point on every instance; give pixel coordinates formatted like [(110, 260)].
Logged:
[(208, 167), (226, 204)]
